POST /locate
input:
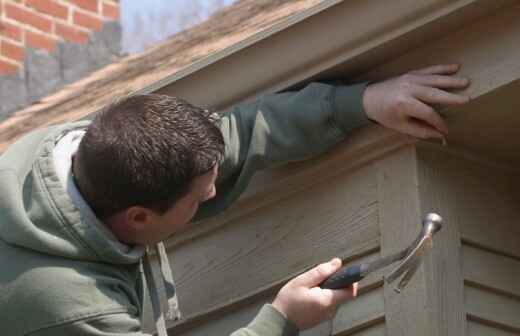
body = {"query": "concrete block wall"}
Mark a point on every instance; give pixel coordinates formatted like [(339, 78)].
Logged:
[(45, 44)]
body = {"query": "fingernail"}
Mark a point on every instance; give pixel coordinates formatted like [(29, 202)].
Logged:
[(335, 262)]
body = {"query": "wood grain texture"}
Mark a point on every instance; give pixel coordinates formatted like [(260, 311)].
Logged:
[(489, 269), (493, 307), (240, 313), (400, 222), (374, 330), (488, 51), (270, 186), (438, 193), (275, 243), (485, 201), (478, 329), (366, 310)]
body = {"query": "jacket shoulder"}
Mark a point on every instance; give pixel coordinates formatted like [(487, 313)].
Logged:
[(48, 291)]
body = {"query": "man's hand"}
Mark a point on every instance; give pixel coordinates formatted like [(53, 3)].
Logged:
[(306, 304), (406, 103)]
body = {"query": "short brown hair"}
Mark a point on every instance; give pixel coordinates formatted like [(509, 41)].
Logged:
[(145, 150)]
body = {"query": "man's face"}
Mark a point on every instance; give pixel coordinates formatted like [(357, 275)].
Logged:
[(177, 217)]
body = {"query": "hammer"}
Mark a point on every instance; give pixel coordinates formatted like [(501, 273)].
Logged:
[(410, 260)]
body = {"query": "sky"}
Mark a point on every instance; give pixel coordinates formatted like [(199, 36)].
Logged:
[(150, 21)]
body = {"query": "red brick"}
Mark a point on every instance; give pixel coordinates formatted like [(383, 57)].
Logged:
[(90, 5), (31, 18), (12, 51), (50, 7), (71, 34), (110, 11), (10, 31), (88, 21), (40, 41), (8, 68)]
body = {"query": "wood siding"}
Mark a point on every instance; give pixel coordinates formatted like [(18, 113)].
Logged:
[(478, 201)]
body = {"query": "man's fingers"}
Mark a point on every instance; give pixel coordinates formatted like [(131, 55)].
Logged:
[(440, 69), (341, 295), (334, 297), (437, 96), (426, 113), (441, 82), (422, 130), (318, 274)]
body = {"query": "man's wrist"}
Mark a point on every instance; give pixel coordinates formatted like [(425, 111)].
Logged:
[(349, 110)]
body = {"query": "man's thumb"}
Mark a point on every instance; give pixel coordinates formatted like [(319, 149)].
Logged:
[(318, 274)]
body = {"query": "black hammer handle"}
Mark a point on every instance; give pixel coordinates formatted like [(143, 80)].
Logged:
[(343, 278)]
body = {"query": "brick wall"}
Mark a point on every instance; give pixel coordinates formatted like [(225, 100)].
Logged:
[(45, 44)]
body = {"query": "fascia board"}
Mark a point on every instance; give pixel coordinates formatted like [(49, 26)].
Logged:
[(333, 33)]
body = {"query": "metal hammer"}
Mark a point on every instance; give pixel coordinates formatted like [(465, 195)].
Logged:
[(410, 258)]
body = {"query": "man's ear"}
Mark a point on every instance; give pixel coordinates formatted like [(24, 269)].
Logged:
[(138, 218)]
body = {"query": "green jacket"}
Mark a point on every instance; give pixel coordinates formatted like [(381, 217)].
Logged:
[(63, 274)]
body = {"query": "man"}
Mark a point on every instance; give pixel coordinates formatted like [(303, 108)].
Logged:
[(79, 201)]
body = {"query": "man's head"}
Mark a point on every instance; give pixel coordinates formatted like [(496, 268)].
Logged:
[(145, 164)]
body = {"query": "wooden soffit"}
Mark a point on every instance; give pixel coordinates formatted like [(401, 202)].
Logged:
[(365, 40)]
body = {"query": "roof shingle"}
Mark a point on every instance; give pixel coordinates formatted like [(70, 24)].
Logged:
[(222, 30)]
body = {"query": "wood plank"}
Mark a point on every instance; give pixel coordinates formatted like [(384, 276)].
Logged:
[(487, 207), (241, 312), (376, 330), (366, 310), (443, 272), (493, 307), (275, 243), (494, 75), (491, 270), (400, 222), (270, 186), (478, 329), (372, 325)]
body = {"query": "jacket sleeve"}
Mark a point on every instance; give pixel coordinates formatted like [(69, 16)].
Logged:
[(280, 128), (117, 324), (268, 322)]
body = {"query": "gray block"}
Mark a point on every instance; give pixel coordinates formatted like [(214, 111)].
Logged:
[(75, 61), (104, 46), (43, 73), (13, 95), (113, 34)]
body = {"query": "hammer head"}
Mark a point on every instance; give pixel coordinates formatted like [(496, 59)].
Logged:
[(431, 224)]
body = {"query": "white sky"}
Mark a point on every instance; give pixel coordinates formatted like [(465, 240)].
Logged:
[(146, 22)]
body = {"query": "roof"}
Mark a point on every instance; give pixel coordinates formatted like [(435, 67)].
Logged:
[(224, 29)]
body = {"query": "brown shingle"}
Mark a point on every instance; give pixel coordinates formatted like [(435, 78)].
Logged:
[(224, 29)]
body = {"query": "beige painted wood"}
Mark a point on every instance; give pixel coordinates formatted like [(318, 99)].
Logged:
[(271, 186), (258, 251), (483, 196), (227, 323), (493, 307), (366, 310), (399, 220), (376, 330), (496, 69), (488, 50), (479, 205), (492, 270), (478, 329), (439, 193), (359, 28), (240, 313)]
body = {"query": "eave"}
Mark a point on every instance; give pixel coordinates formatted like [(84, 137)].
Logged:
[(362, 40)]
